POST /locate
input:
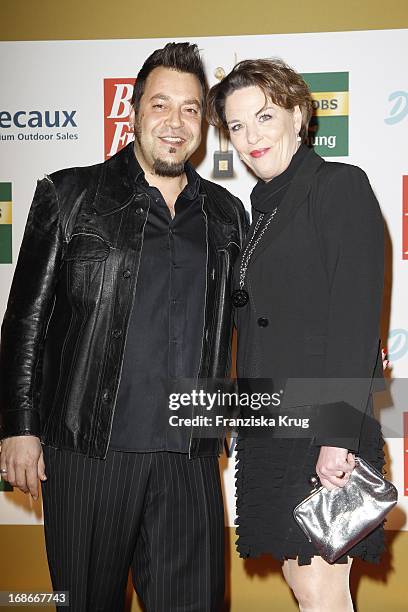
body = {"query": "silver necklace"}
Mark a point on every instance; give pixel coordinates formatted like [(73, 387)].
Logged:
[(240, 296)]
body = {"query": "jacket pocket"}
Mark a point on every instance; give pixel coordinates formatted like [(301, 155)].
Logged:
[(86, 247)]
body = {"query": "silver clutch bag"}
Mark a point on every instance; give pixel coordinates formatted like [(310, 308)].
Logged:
[(334, 521)]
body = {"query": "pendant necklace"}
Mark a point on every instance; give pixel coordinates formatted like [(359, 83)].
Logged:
[(240, 296)]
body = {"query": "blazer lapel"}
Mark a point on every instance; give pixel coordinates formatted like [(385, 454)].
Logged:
[(293, 199), (116, 187)]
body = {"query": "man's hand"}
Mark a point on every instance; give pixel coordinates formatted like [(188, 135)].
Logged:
[(334, 466), (23, 459)]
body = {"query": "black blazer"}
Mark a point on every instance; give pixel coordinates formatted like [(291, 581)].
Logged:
[(315, 282)]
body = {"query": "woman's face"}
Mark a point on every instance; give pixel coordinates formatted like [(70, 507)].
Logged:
[(264, 134)]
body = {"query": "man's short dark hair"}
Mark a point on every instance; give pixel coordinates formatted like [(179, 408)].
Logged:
[(183, 57)]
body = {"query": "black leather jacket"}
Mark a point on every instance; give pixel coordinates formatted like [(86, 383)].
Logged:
[(64, 331)]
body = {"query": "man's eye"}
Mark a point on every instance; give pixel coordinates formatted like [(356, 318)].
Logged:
[(264, 117), (192, 110), (158, 105)]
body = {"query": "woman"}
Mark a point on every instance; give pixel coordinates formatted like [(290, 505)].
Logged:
[(308, 292)]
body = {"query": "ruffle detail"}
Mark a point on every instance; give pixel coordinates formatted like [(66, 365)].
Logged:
[(271, 479)]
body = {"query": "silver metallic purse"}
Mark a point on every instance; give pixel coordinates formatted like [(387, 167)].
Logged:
[(334, 521)]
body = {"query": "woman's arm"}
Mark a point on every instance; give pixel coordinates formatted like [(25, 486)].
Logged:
[(352, 235)]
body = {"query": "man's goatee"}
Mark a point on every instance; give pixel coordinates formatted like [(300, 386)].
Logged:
[(163, 168)]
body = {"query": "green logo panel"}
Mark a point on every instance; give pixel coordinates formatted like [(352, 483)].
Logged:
[(327, 81), (6, 228), (330, 136), (329, 127), (5, 244)]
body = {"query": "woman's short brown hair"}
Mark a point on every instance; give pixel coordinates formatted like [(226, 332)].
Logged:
[(278, 81)]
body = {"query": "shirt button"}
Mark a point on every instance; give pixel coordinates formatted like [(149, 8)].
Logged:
[(126, 274), (106, 396), (263, 322), (140, 210), (117, 333)]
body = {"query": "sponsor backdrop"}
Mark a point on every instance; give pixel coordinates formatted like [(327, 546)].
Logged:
[(75, 111)]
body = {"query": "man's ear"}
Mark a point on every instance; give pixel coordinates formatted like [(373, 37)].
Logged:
[(132, 117)]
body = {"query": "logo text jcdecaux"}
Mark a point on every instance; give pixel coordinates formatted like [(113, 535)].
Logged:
[(38, 119)]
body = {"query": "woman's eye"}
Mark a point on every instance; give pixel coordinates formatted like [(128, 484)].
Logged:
[(264, 117), (235, 128)]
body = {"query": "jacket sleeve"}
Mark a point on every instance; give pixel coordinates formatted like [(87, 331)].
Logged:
[(352, 237), (24, 326)]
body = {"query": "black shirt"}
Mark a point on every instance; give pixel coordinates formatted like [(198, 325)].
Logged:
[(166, 324)]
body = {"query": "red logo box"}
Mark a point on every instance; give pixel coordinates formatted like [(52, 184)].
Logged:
[(117, 95)]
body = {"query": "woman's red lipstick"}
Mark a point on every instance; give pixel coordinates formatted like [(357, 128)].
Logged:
[(259, 152)]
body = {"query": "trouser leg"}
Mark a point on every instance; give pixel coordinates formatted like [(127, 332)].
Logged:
[(178, 565), (92, 511)]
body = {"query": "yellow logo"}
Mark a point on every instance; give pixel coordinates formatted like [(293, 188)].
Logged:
[(5, 213), (331, 103)]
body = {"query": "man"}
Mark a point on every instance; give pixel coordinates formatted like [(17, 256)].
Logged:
[(122, 284)]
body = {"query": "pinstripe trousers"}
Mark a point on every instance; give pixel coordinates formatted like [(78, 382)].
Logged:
[(159, 514)]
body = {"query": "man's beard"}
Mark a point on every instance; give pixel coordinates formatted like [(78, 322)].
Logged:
[(161, 167)]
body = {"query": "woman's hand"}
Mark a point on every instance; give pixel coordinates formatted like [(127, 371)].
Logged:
[(334, 466)]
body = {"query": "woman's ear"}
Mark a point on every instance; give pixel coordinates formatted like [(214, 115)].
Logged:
[(297, 118)]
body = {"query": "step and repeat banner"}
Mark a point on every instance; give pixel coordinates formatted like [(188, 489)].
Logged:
[(67, 104)]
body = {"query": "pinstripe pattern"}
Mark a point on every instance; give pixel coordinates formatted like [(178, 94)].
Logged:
[(160, 514)]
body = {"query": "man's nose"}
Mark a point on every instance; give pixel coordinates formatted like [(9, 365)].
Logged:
[(175, 119)]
